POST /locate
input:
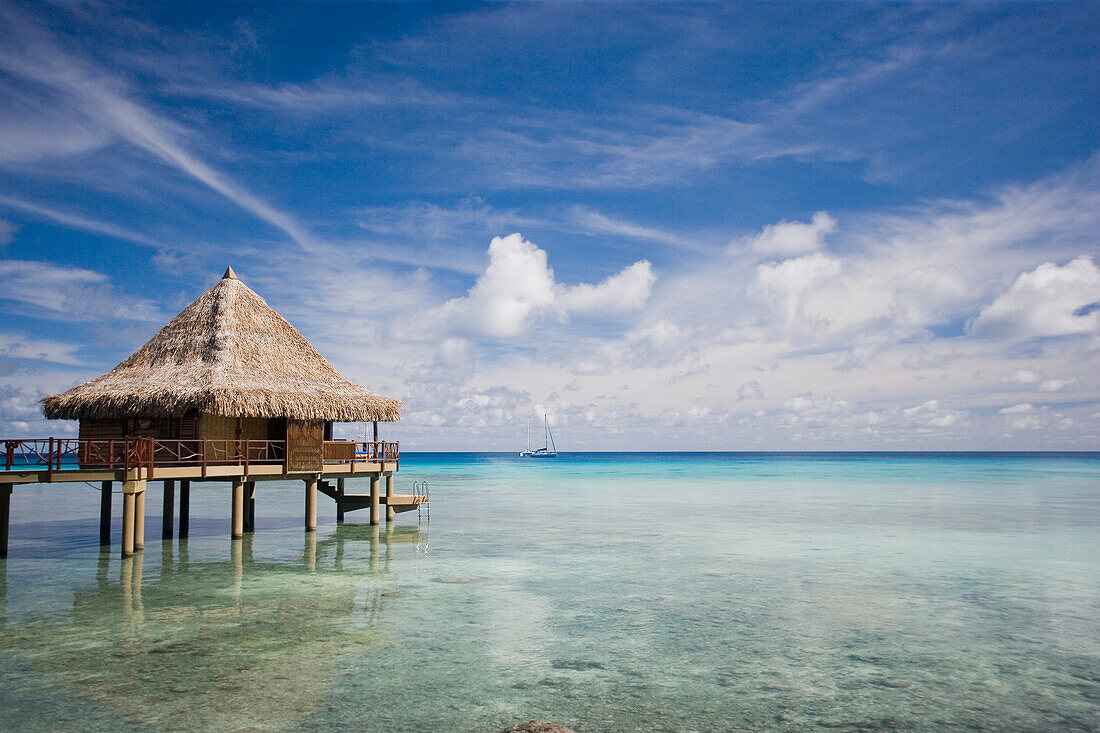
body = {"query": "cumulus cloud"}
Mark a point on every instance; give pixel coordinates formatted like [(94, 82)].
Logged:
[(518, 287), (621, 293), (1023, 376), (1058, 385), (786, 284), (1051, 300), (790, 238), (750, 390)]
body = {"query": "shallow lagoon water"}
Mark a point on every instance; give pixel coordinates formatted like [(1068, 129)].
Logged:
[(607, 592)]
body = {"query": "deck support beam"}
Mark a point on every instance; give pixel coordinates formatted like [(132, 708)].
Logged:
[(374, 502), (132, 489), (185, 508), (105, 489), (5, 511), (238, 509), (311, 504), (340, 500), (169, 509), (390, 513)]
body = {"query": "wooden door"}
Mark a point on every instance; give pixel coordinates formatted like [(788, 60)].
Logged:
[(304, 446)]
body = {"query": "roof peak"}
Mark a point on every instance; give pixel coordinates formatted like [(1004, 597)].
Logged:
[(229, 274)]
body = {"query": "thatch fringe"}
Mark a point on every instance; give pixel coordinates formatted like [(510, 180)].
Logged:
[(228, 353)]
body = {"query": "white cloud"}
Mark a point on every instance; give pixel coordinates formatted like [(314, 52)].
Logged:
[(518, 287), (70, 293), (77, 221), (750, 390), (1029, 422), (1023, 376), (786, 284), (1058, 385), (7, 232), (790, 238), (1051, 300), (17, 346), (621, 293), (1017, 409), (98, 105), (596, 223)]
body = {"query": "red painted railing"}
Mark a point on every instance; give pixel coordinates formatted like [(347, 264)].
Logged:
[(56, 454)]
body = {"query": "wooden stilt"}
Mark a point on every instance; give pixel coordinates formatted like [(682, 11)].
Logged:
[(5, 511), (238, 509), (339, 500), (105, 490), (185, 508), (311, 504), (139, 516), (390, 513), (250, 506), (169, 509), (374, 503), (128, 503)]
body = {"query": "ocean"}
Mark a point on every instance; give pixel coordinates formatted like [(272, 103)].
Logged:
[(604, 592)]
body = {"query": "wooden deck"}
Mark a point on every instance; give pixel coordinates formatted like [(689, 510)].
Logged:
[(238, 463)]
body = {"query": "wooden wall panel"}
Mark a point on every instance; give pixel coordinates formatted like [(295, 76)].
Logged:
[(304, 445)]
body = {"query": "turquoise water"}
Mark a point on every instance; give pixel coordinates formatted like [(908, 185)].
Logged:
[(708, 592)]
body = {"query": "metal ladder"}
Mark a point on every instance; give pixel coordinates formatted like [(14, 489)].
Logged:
[(420, 488)]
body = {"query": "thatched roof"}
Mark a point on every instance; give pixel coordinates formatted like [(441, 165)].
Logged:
[(228, 353)]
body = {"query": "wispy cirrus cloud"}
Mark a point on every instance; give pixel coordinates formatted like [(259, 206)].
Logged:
[(100, 103), (77, 221)]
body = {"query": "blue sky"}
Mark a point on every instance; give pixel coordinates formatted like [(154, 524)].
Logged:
[(732, 226)]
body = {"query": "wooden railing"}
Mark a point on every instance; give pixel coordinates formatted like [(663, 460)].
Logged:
[(55, 454)]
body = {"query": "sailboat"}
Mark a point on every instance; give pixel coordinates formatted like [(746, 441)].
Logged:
[(549, 450)]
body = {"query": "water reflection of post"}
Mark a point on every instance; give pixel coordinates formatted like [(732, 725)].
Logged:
[(166, 558), (103, 568), (310, 554), (374, 531), (389, 544), (184, 558), (3, 592), (237, 554), (340, 532), (139, 564), (129, 579)]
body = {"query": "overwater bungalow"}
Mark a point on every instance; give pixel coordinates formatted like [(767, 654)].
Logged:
[(228, 391)]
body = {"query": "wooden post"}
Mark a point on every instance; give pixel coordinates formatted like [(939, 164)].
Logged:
[(250, 506), (139, 516), (374, 500), (339, 500), (311, 504), (5, 509), (169, 509), (128, 511), (105, 490), (185, 508), (238, 509), (390, 513)]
